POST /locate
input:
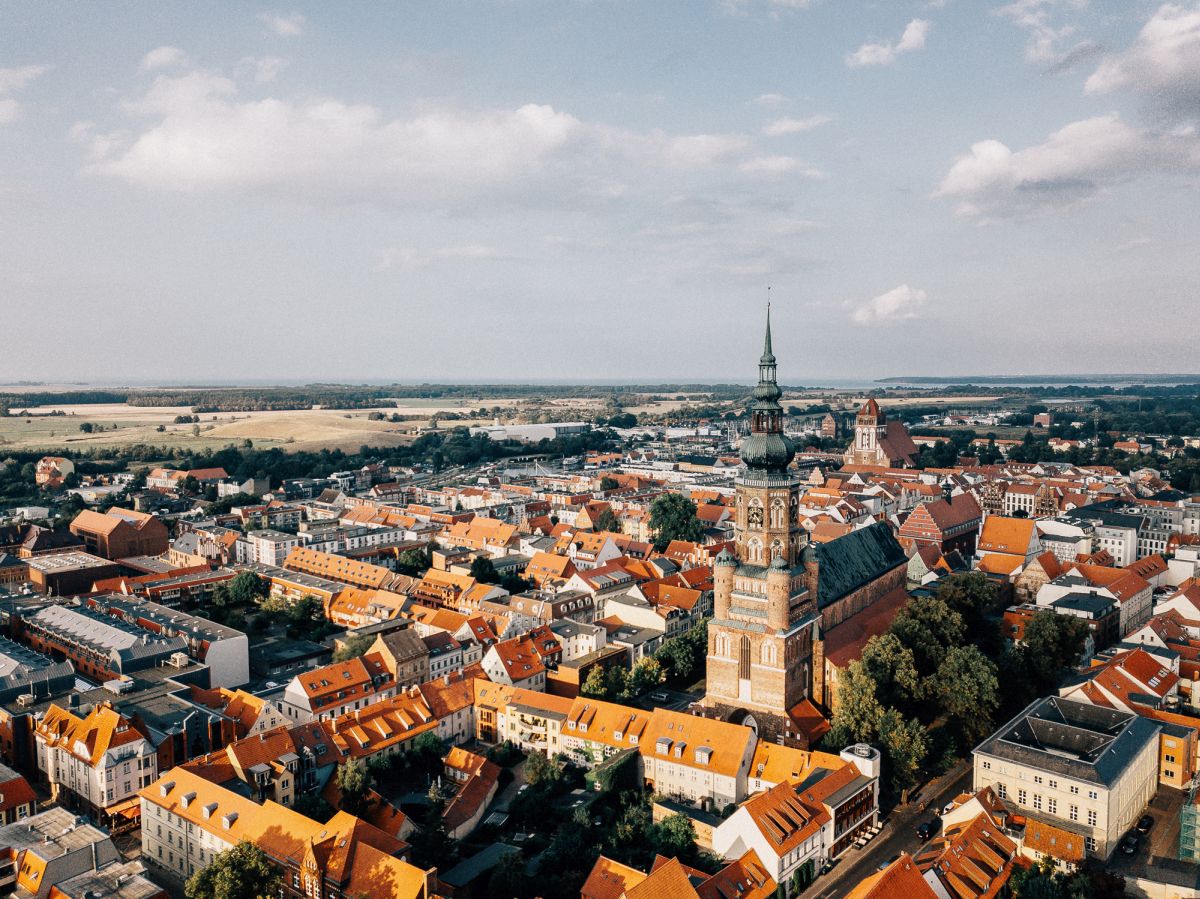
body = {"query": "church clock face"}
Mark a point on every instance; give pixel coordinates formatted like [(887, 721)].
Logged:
[(754, 518)]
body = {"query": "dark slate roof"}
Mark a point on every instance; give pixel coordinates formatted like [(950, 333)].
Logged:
[(405, 644), (1075, 739), (1095, 606), (849, 562)]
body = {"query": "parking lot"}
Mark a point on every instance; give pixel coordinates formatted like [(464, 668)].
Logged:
[(1161, 844)]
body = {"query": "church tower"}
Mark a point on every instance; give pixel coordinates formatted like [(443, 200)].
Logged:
[(765, 622)]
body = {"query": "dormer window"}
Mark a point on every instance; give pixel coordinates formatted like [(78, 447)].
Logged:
[(663, 746)]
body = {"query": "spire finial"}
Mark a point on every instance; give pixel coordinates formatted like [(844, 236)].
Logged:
[(767, 340)]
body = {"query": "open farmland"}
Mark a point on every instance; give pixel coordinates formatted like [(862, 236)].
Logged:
[(119, 425)]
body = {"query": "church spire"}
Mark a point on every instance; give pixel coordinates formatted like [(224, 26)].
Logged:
[(768, 356), (767, 447)]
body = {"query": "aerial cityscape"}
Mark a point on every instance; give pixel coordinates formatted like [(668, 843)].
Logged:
[(733, 449)]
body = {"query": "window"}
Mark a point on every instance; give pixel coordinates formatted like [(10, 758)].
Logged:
[(1037, 801), (1090, 843), (1074, 813), (1074, 790), (1092, 794), (1021, 797), (1169, 759), (1091, 817), (987, 766), (1037, 778), (1054, 784), (1052, 806)]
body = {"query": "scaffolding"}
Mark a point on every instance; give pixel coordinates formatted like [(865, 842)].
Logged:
[(1189, 827)]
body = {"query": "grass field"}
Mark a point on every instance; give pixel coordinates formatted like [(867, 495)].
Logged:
[(119, 425)]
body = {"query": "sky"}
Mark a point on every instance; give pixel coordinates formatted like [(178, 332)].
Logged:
[(526, 190)]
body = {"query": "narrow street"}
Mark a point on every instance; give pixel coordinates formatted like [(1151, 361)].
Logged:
[(898, 835)]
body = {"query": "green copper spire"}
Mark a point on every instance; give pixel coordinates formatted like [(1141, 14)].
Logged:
[(768, 357), (766, 447)]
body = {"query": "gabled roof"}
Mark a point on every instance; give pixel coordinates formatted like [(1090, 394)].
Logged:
[(852, 561), (1006, 535), (899, 880)]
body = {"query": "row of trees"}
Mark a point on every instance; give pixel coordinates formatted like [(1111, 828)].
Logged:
[(928, 689)]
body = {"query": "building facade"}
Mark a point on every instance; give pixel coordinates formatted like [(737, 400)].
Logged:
[(762, 637)]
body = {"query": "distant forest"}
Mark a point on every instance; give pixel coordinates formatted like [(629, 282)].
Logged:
[(342, 396)]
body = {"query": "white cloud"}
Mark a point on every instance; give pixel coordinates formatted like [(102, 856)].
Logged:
[(1135, 244), (898, 304), (768, 165), (774, 166), (1072, 164), (200, 134), (267, 68), (163, 58), (1042, 20), (794, 126), (411, 259), (884, 54), (771, 100), (284, 24), (1163, 64), (11, 81), (772, 7)]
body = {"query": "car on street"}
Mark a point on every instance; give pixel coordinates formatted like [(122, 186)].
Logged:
[(1145, 823), (926, 830), (883, 866), (1129, 843)]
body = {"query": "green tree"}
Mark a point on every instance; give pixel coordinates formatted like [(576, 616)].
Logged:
[(616, 682), (647, 674), (241, 872), (541, 771), (87, 427), (246, 587), (674, 837), (673, 517), (354, 781), (607, 521), (413, 562), (927, 626), (304, 610), (608, 483), (858, 709), (905, 743), (677, 657), (483, 570), (353, 648), (888, 662), (967, 690), (1052, 642), (595, 684)]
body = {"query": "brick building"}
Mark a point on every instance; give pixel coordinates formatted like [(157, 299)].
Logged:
[(119, 533)]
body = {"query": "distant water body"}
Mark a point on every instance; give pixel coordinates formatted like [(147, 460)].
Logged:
[(1111, 380)]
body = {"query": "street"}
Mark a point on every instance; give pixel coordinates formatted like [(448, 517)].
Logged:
[(898, 835)]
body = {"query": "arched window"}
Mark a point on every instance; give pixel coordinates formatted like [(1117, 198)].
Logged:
[(778, 513), (754, 550), (768, 654), (776, 549)]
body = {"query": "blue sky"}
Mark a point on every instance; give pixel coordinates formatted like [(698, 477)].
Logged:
[(519, 190)]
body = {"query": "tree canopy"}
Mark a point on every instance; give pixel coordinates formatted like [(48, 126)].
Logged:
[(241, 872), (673, 517)]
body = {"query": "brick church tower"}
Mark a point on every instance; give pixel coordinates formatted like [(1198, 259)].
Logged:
[(765, 627)]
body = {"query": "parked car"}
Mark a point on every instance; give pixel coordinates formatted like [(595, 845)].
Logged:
[(1144, 824), (883, 866), (1129, 843), (926, 830)]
